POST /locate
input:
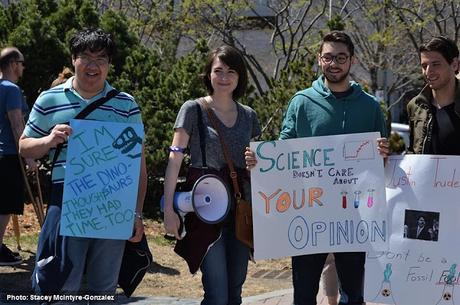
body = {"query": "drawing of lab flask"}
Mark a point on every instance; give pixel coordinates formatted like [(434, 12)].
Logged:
[(385, 292), (447, 295)]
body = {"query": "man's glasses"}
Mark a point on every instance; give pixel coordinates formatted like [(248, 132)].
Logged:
[(100, 61), (340, 58)]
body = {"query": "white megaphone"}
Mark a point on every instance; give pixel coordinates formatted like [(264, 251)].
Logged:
[(209, 199)]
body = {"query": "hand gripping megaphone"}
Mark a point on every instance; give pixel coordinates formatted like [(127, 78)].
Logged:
[(209, 199)]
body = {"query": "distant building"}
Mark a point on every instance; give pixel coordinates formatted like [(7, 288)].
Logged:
[(255, 39)]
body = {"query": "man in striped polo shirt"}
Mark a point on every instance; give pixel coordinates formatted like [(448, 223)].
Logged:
[(92, 51)]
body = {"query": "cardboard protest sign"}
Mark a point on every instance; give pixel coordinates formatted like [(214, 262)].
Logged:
[(421, 265), (101, 179), (319, 194)]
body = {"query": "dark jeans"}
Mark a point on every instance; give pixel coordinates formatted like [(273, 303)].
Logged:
[(306, 273), (224, 270)]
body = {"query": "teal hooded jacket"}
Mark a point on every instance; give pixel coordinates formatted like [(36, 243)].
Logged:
[(317, 112)]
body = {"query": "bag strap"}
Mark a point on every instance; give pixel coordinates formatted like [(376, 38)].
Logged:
[(91, 107), (83, 114), (212, 117), (202, 135)]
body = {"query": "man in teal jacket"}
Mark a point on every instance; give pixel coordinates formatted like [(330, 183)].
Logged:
[(333, 105), (324, 109)]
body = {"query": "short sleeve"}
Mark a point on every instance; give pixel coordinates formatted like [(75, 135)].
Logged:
[(38, 125), (135, 114), (187, 117), (13, 98)]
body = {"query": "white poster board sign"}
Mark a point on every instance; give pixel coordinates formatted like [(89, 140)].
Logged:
[(421, 266), (318, 194), (101, 179)]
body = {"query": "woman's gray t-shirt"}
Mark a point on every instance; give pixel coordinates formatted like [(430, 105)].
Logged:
[(236, 138)]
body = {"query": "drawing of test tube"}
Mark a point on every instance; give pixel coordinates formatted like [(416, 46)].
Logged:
[(344, 199), (370, 197), (356, 200)]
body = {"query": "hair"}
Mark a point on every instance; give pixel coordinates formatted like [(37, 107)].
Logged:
[(93, 40), (443, 45), (234, 60), (62, 77), (338, 36), (7, 55)]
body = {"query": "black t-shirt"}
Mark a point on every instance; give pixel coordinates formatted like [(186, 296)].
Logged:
[(343, 94), (446, 131)]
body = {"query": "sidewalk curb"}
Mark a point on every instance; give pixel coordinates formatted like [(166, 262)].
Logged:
[(267, 295), (178, 301), (158, 301)]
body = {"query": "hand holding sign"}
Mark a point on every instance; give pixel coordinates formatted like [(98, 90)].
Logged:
[(59, 134)]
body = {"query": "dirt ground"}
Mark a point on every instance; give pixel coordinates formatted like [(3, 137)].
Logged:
[(168, 275)]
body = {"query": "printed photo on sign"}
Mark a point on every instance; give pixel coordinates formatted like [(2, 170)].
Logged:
[(422, 225)]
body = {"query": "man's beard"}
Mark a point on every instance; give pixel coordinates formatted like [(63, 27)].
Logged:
[(335, 80)]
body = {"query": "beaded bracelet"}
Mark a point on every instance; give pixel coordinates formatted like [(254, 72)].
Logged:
[(139, 215), (178, 149)]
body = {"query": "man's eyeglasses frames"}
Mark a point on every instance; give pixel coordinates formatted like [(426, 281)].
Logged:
[(340, 58)]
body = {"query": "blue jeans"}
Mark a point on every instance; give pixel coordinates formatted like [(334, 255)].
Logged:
[(306, 273), (102, 258), (224, 270), (72, 255)]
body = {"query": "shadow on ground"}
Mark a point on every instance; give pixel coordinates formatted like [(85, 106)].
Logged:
[(17, 278), (157, 268)]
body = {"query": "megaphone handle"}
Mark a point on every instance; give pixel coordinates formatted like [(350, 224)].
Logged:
[(179, 231)]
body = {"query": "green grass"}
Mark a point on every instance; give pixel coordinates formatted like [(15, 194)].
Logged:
[(160, 240), (29, 242)]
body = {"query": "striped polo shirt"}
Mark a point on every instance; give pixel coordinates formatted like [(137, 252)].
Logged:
[(62, 103)]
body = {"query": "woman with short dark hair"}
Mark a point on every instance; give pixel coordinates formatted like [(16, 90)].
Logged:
[(222, 258)]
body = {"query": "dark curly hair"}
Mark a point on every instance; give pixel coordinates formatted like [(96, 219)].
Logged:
[(93, 40)]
